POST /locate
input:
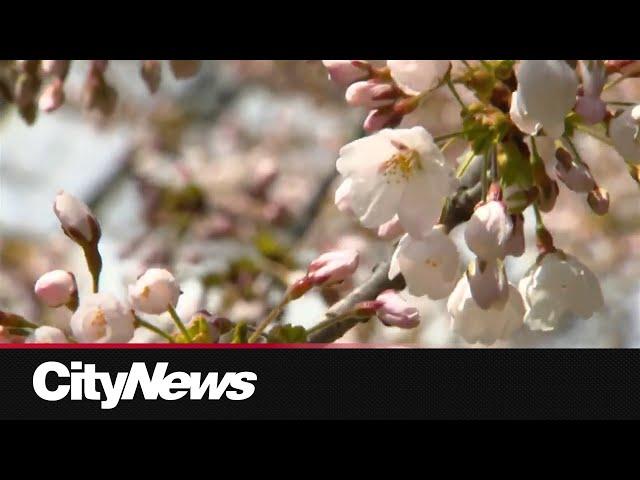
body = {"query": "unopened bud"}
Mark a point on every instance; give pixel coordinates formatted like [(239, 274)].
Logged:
[(333, 267), (598, 200), (394, 311), (300, 287), (154, 292), (57, 288), (76, 219), (576, 176), (371, 94)]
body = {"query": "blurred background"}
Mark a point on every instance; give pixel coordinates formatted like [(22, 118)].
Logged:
[(227, 180)]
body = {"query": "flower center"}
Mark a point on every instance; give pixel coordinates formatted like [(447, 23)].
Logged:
[(402, 164), (432, 263), (99, 323)]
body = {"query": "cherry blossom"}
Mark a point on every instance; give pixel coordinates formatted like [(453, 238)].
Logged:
[(56, 288), (624, 131), (556, 285), (397, 172), (546, 94), (101, 318), (417, 76), (430, 266), (154, 291), (489, 230), (477, 325), (333, 267)]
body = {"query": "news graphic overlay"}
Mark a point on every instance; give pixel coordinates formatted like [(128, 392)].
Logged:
[(317, 384)]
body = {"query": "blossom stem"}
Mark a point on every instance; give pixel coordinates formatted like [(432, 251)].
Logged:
[(178, 322), (273, 314), (494, 163), (448, 136), (485, 177), (622, 104), (329, 322), (455, 94), (153, 328), (447, 144)]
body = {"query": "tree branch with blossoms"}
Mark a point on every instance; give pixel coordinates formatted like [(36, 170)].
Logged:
[(397, 182)]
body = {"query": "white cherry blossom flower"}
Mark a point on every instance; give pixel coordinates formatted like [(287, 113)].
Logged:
[(546, 94), (625, 134), (476, 325), (154, 291), (417, 76), (556, 285), (399, 172), (101, 318), (430, 266)]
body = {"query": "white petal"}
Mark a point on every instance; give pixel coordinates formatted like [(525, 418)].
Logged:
[(622, 130), (416, 76)]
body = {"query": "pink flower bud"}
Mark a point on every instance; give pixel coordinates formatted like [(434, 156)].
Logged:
[(333, 267), (380, 119), (591, 109), (154, 291), (52, 97), (300, 287), (576, 176), (371, 94), (345, 72), (394, 311), (57, 288), (598, 200), (390, 230), (76, 219)]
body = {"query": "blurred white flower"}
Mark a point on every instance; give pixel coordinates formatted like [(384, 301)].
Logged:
[(546, 94), (101, 318), (394, 311), (556, 285), (417, 76), (56, 288), (399, 172), (430, 266), (47, 334), (343, 196), (154, 291), (488, 230), (476, 325), (625, 134)]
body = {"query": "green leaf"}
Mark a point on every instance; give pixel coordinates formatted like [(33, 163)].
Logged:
[(514, 168), (287, 334)]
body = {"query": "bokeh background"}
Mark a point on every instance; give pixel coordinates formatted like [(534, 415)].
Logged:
[(227, 179)]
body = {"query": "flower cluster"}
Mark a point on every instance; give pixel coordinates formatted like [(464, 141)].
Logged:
[(398, 182)]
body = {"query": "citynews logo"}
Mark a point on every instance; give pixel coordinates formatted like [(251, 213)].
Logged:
[(83, 382)]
